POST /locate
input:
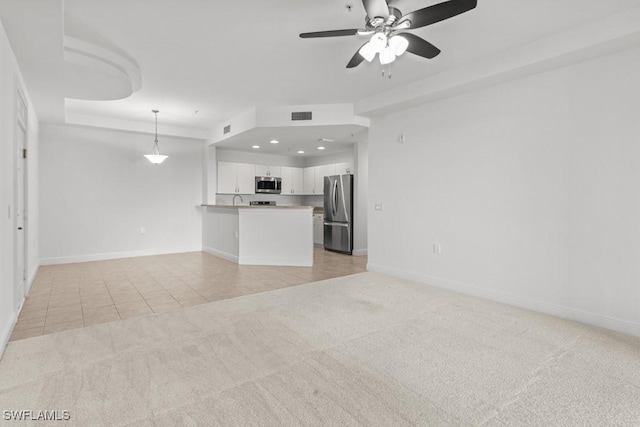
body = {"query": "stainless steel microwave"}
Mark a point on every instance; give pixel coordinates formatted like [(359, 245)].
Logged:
[(268, 184)]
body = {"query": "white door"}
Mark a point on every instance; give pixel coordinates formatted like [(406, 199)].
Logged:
[(20, 249)]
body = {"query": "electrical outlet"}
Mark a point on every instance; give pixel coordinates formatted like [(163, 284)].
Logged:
[(142, 230), (237, 234), (379, 207), (437, 249)]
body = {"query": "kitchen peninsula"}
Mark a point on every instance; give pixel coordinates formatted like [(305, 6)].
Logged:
[(259, 235)]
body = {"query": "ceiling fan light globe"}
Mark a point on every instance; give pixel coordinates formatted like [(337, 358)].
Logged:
[(387, 56), (367, 52), (398, 45), (378, 42)]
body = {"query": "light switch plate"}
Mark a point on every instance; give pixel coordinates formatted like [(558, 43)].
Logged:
[(379, 206)]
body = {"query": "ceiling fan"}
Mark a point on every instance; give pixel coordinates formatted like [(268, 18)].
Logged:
[(383, 23)]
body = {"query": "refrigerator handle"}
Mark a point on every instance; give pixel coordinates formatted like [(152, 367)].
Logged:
[(337, 224), (335, 198)]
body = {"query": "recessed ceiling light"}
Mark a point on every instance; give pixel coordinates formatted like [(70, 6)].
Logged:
[(255, 146), (274, 141), (300, 152), (321, 148)]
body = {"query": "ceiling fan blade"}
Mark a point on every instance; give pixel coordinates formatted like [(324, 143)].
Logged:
[(420, 46), (376, 8), (357, 59), (332, 33), (438, 12)]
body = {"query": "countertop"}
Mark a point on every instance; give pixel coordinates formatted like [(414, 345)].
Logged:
[(256, 207)]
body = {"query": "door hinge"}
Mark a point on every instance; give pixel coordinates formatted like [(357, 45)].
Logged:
[(24, 153)]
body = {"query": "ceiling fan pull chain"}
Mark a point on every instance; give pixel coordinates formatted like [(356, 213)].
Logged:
[(389, 70)]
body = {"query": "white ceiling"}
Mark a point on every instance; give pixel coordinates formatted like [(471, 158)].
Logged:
[(222, 58), (291, 139)]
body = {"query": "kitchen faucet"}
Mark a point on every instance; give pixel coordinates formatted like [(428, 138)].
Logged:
[(234, 199)]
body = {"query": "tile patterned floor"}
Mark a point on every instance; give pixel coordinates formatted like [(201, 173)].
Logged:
[(77, 295)]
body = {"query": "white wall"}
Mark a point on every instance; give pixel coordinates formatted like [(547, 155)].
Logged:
[(98, 191), (361, 196), (224, 155), (10, 81), (530, 187)]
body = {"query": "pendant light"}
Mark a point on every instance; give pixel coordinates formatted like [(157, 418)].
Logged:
[(155, 157)]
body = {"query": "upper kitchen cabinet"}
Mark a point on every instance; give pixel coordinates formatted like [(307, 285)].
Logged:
[(309, 179), (236, 178), (292, 180), (314, 178), (345, 168), (263, 170), (321, 172)]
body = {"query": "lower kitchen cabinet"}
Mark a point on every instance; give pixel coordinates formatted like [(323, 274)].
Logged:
[(318, 229)]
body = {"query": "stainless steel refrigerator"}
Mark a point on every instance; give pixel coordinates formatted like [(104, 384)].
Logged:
[(338, 213)]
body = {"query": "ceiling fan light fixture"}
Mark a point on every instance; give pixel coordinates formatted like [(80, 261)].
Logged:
[(155, 157), (364, 32), (398, 45), (367, 52), (403, 25), (378, 42), (387, 56)]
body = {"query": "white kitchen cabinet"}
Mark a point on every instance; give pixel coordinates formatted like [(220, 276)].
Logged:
[(318, 229), (321, 172), (263, 170), (246, 178), (344, 168), (292, 180), (314, 178), (236, 178), (309, 180)]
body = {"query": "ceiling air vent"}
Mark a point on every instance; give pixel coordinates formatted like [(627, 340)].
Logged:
[(226, 129), (301, 115)]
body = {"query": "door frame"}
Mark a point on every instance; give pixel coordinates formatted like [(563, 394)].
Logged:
[(21, 194)]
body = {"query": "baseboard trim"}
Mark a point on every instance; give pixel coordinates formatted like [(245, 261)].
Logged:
[(114, 255), (32, 278), (564, 312), (275, 262), (360, 252), (5, 334), (220, 254)]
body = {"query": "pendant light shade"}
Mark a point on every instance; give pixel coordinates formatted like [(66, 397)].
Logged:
[(155, 157)]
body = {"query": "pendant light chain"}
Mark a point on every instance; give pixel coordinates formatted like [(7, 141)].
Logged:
[(155, 157)]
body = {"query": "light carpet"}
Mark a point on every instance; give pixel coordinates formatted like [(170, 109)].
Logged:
[(366, 349)]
